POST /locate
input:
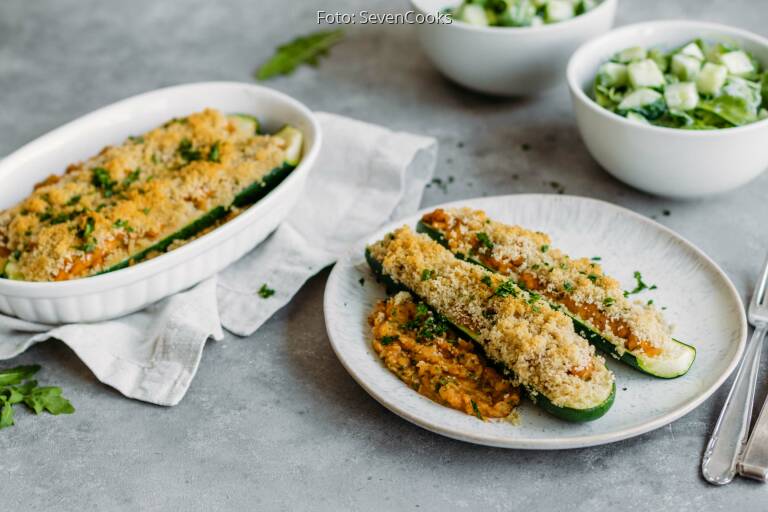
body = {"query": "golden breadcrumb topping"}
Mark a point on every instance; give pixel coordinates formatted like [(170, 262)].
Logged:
[(423, 352), (578, 284), (127, 198), (516, 328)]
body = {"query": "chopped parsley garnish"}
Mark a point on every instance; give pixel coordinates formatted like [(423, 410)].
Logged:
[(640, 286), (187, 152), (650, 302), (506, 289), (483, 239), (146, 211), (155, 158), (608, 301), (596, 258), (387, 340), (544, 248), (427, 274), (214, 154), (136, 139), (132, 177), (476, 409), (426, 323), (486, 280), (86, 231), (265, 291), (60, 218), (88, 246), (103, 180), (567, 286), (73, 200), (120, 223), (593, 277)]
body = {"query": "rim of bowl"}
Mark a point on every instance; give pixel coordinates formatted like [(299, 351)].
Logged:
[(541, 28), (592, 44)]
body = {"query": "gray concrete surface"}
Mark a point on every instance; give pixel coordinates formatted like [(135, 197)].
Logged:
[(273, 422)]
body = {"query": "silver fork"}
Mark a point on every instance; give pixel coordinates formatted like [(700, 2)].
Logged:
[(726, 446)]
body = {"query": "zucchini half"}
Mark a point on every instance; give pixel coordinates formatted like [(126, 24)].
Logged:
[(564, 413), (248, 196), (664, 368)]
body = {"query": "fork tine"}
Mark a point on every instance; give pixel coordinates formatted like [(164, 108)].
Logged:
[(757, 305)]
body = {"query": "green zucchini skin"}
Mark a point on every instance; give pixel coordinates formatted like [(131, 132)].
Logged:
[(580, 327), (564, 413), (246, 197)]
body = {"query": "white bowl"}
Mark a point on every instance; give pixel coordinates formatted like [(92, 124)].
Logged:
[(124, 291), (666, 161), (509, 61)]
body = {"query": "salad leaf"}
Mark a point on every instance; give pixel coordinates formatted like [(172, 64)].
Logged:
[(651, 111), (731, 109), (303, 50)]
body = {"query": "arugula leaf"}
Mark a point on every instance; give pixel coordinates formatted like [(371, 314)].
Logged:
[(6, 415), (15, 375), (49, 399), (303, 50), (17, 387)]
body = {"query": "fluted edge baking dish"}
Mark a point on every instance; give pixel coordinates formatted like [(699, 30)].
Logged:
[(124, 291)]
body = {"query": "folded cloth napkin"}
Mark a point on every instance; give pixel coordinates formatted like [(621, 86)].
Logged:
[(365, 175)]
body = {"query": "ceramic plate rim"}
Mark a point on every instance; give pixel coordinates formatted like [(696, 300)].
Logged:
[(554, 442)]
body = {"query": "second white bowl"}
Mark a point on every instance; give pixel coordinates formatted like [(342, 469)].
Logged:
[(666, 161), (508, 61)]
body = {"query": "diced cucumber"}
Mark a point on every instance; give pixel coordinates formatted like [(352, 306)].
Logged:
[(559, 10), (248, 123), (637, 118), (738, 63), (711, 78), (612, 74), (639, 98), (692, 50), (659, 58), (632, 54), (645, 73), (294, 142), (685, 67), (681, 96), (519, 13), (473, 14)]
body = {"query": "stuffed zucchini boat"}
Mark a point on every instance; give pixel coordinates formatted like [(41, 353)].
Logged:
[(515, 329), (632, 332), (143, 198)]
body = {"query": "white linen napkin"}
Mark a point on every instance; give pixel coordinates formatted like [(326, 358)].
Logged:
[(365, 175)]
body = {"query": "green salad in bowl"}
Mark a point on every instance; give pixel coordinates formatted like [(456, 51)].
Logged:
[(697, 86), (519, 13)]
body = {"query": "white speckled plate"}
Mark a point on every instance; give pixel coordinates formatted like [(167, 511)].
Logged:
[(701, 302)]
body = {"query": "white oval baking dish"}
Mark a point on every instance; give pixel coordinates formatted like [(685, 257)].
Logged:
[(115, 294)]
